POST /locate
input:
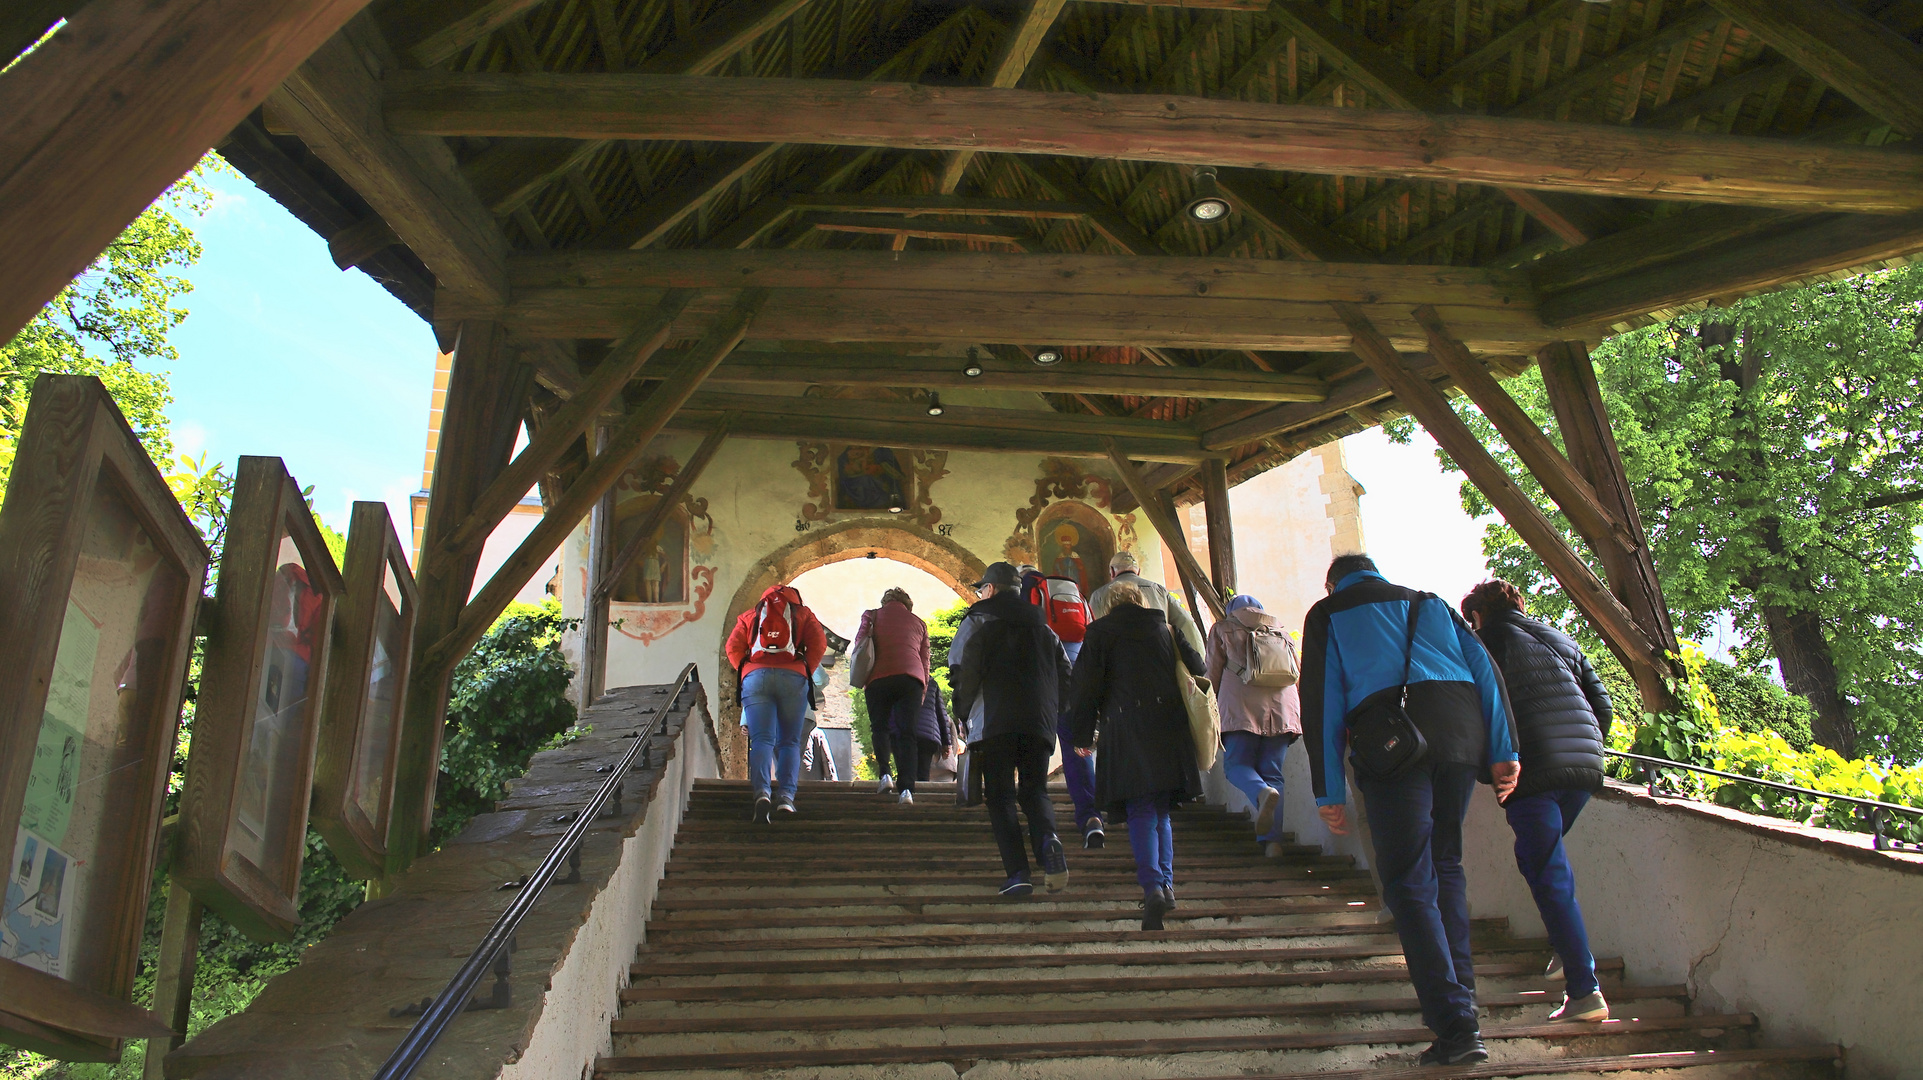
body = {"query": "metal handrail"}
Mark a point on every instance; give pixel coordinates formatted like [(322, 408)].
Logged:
[(453, 999), (1879, 810)]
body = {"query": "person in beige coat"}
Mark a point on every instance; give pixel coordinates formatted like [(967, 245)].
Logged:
[(1259, 723)]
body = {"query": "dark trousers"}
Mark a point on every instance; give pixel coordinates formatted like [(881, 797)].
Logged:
[(882, 696), (1015, 769), (1540, 821), (1079, 773), (1415, 824)]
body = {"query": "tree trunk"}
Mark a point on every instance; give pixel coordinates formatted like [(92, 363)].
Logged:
[(1796, 637)]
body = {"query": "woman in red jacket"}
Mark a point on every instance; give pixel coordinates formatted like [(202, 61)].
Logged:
[(900, 674), (775, 646)]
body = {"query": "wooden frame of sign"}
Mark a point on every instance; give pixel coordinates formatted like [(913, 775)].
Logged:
[(366, 688), (100, 577), (243, 814)]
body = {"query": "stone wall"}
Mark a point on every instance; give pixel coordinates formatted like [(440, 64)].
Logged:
[(329, 1017)]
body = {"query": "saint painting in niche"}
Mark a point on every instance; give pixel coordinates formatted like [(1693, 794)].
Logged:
[(869, 478), (1074, 542), (659, 572)]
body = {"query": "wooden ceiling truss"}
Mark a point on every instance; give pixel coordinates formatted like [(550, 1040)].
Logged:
[(679, 215)]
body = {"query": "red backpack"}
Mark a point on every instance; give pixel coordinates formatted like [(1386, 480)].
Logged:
[(777, 626), (1060, 599)]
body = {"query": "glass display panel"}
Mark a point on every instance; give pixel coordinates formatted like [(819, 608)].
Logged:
[(267, 805), (383, 698), (75, 858)]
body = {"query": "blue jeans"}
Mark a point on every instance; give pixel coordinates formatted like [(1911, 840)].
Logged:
[(1540, 822), (1253, 762), (1415, 825), (1078, 772), (773, 702), (1151, 836)]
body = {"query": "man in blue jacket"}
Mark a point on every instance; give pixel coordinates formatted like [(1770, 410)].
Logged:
[(1353, 647)]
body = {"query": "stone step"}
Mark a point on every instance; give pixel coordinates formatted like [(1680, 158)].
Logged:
[(1178, 1055), (1529, 972), (1776, 1063), (1044, 908), (1005, 919), (802, 1028), (758, 856), (962, 898), (1229, 871), (901, 943)]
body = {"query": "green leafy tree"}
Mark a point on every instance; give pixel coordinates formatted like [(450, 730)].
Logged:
[(1773, 450)]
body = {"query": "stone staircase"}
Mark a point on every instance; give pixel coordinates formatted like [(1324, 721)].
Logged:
[(865, 940)]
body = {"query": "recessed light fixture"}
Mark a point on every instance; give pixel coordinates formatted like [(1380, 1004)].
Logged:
[(1048, 355), (1208, 204), (934, 405)]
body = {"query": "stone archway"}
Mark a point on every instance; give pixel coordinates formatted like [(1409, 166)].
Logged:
[(949, 562)]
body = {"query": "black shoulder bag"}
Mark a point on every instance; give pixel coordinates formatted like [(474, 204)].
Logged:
[(1384, 742)]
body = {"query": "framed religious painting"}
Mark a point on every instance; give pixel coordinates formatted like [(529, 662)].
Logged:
[(366, 685), (100, 577), (243, 813)]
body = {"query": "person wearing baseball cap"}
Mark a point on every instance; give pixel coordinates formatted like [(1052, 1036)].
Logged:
[(1010, 673)]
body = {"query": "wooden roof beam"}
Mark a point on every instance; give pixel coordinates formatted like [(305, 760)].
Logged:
[(936, 205), (749, 368), (925, 432), (430, 32), (1016, 54), (333, 103), (1853, 53), (924, 228), (1498, 151)]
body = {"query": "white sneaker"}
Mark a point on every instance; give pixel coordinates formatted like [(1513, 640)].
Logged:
[(885, 785), (907, 798)]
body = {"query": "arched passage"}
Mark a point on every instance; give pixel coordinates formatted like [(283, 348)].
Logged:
[(954, 565)]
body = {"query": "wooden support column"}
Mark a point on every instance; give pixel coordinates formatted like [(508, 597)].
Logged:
[(1428, 405), (1215, 506), (1167, 503), (116, 106), (1576, 398), (625, 445), (568, 422), (486, 397), (594, 676), (1167, 526), (658, 514), (174, 977)]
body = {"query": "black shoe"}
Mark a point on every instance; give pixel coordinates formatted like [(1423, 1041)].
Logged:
[(1168, 898), (760, 815), (1054, 865), (1093, 837), (1463, 1049), (1018, 888), (1154, 906), (785, 806)]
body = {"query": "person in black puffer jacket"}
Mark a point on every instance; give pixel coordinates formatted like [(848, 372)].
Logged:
[(1562, 716)]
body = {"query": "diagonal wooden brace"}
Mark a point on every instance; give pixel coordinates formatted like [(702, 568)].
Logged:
[(1166, 526)]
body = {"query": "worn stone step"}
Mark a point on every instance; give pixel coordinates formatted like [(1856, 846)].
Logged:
[(1032, 1060), (1774, 1063), (977, 958), (959, 900), (755, 858), (1229, 938), (1041, 985), (802, 1028), (1008, 918), (1236, 871), (1043, 908)]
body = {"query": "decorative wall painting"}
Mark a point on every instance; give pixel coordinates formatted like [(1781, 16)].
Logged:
[(100, 573), (244, 811), (367, 684)]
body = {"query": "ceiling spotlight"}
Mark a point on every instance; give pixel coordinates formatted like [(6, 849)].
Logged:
[(1208, 204), (973, 370), (934, 404), (1048, 356)]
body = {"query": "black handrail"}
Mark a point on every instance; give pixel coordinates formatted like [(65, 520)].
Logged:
[(1879, 810), (453, 999)]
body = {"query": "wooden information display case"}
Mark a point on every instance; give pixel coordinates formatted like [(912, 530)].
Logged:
[(243, 814), (100, 577), (366, 686)]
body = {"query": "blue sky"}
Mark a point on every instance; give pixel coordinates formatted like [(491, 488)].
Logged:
[(285, 355)]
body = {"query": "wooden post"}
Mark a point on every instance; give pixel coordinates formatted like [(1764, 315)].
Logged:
[(1576, 398), (174, 976), (1166, 526), (116, 106), (1428, 405), (486, 397), (1167, 504), (627, 443), (594, 679), (1215, 507)]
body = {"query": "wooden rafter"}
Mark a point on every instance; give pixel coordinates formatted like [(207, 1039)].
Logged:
[(1167, 527), (1834, 41), (944, 373), (1497, 151), (1016, 54)]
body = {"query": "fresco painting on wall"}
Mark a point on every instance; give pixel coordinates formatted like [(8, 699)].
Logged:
[(667, 586), (869, 478), (845, 478), (1076, 543)]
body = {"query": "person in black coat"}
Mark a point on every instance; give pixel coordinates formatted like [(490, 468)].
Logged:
[(1124, 684), (923, 724), (1562, 716)]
